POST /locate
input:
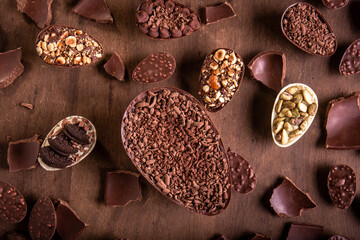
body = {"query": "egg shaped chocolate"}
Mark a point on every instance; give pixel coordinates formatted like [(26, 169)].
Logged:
[(13, 206), (350, 62)]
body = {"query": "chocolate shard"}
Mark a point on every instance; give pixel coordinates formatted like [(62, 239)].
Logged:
[(69, 224), (76, 133), (288, 200), (214, 14), (94, 9), (342, 119), (121, 188), (62, 145), (13, 206), (304, 232), (115, 67), (154, 68), (335, 4), (27, 105), (260, 237), (39, 11), (269, 68), (15, 236), (350, 62), (243, 178), (10, 67), (42, 220), (22, 154), (338, 237), (53, 159), (341, 183)]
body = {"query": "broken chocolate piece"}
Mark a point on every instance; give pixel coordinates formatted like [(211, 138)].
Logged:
[(304, 232), (69, 224), (338, 237), (269, 68), (22, 154), (335, 4), (342, 120), (115, 67), (260, 237), (243, 178), (39, 11), (214, 14), (27, 105), (42, 221), (13, 206), (341, 184), (288, 200), (154, 68), (62, 145), (76, 133), (10, 67), (94, 9), (121, 188), (350, 62), (15, 236), (53, 159)]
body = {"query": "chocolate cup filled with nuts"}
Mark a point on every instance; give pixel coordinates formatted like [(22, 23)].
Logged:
[(305, 27), (294, 110), (220, 78), (67, 47), (174, 144)]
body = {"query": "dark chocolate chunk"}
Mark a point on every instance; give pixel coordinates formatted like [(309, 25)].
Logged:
[(94, 9), (350, 62), (15, 236), (12, 204), (243, 178), (39, 11), (304, 232), (69, 224), (154, 68), (335, 4), (53, 159), (338, 237), (288, 200), (10, 67), (115, 67), (121, 188), (62, 145), (341, 183), (342, 120), (22, 154), (269, 68), (42, 220), (305, 27), (214, 14), (67, 47), (260, 237), (27, 105), (76, 133)]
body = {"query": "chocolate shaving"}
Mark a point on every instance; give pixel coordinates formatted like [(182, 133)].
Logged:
[(303, 231), (335, 4), (42, 220), (10, 67), (214, 14), (13, 206), (350, 62), (27, 105), (39, 11), (115, 67), (94, 9)]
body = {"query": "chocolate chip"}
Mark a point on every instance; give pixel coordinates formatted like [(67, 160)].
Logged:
[(42, 220), (94, 9), (38, 11), (141, 16), (115, 67), (214, 14), (12, 204), (10, 67), (350, 62)]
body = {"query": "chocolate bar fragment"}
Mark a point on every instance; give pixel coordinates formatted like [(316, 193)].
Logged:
[(154, 68), (269, 68), (67, 47), (115, 67), (94, 9), (288, 200), (42, 221), (338, 237), (341, 183), (335, 4), (304, 232), (350, 62), (15, 236), (214, 14), (69, 225), (39, 11), (121, 188), (22, 154), (260, 237), (10, 67), (342, 118), (13, 206)]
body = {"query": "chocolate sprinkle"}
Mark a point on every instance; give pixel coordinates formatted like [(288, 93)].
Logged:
[(115, 67), (214, 14), (39, 11), (13, 206), (350, 62), (94, 9), (10, 67)]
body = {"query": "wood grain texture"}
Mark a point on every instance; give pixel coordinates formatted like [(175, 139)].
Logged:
[(244, 124)]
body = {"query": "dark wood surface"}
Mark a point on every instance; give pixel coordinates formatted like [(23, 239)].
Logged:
[(244, 124)]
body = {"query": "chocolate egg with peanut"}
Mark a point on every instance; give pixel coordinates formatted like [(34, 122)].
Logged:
[(220, 78)]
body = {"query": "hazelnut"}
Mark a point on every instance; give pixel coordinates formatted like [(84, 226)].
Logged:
[(219, 54), (80, 47), (43, 45), (46, 38), (214, 82), (39, 50), (50, 47), (232, 58), (70, 41), (60, 60), (64, 35), (39, 43), (214, 65), (77, 60)]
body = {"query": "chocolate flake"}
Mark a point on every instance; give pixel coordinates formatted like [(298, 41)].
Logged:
[(304, 232), (27, 105), (13, 206), (39, 11), (350, 62), (94, 9), (115, 67), (214, 14), (10, 67), (42, 220)]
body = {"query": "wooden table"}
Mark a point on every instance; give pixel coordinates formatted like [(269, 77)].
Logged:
[(244, 124)]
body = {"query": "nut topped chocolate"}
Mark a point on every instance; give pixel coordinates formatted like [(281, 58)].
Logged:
[(13, 206), (350, 62), (335, 4), (67, 47), (220, 78)]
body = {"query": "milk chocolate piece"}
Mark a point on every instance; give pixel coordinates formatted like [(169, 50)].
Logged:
[(269, 68), (243, 178), (13, 206), (115, 67), (27, 105), (288, 200), (304, 232), (260, 237), (22, 154), (154, 68), (39, 11), (94, 9), (350, 62), (335, 4), (342, 121), (121, 188), (10, 67), (341, 183), (15, 236), (338, 237), (69, 224), (214, 14), (42, 221)]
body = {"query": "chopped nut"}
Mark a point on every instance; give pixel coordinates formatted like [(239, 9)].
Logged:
[(219, 54), (286, 96), (39, 44), (216, 72), (224, 83), (292, 90), (43, 45), (232, 58), (64, 35), (278, 106), (298, 98), (96, 44), (70, 41), (307, 96), (289, 104), (84, 59), (80, 47), (288, 127), (280, 119), (278, 127), (303, 125), (214, 82), (77, 60), (207, 99), (312, 109), (231, 73), (60, 60), (221, 99), (214, 65), (217, 95), (53, 34), (284, 137), (225, 64), (39, 50), (302, 107), (46, 38), (206, 88), (50, 47)]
